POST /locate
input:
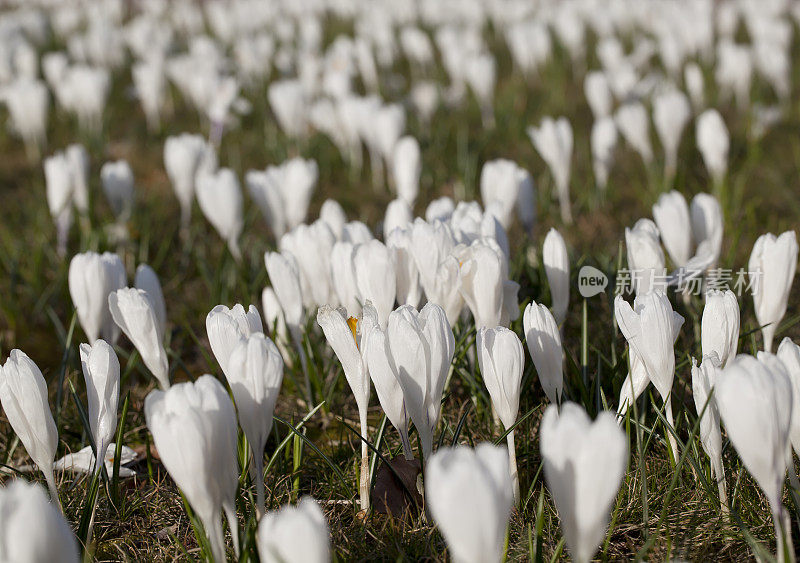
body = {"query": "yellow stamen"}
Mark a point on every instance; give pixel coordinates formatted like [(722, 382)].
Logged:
[(352, 322)]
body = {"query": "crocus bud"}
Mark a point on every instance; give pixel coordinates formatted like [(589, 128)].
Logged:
[(288, 102), (227, 328), (713, 142), (707, 224), (375, 277), (502, 359), (789, 354), (50, 539), (645, 257), (704, 378), (598, 94), (278, 534), (771, 269), (632, 121), (182, 156), (85, 92), (720, 325), (556, 267), (285, 280), (481, 76), (649, 327), (544, 345), (734, 71), (356, 232), (28, 103), (333, 215), (194, 429), (220, 199), (754, 397), (78, 160), (23, 396), (256, 374), (584, 464), (470, 496), (671, 113), (275, 320), (440, 209), (379, 363), (671, 214), (604, 141), (311, 245), (59, 186), (134, 314), (406, 168), (526, 203), (398, 215), (409, 290), (482, 275), (150, 82), (419, 347), (117, 179), (347, 342), (147, 280), (553, 141), (343, 276), (92, 277), (100, 368), (500, 183), (284, 192), (389, 123), (695, 85)]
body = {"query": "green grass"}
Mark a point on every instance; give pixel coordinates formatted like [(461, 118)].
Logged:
[(664, 510)]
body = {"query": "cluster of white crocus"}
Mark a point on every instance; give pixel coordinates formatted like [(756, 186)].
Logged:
[(105, 306), (458, 260), (691, 235)]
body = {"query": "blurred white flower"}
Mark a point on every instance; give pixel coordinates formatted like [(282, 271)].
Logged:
[(220, 199), (134, 314), (544, 345), (294, 533), (31, 529), (92, 277), (632, 120), (553, 141), (713, 142), (470, 496), (584, 464), (117, 180)]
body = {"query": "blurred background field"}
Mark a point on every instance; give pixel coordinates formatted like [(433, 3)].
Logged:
[(672, 517)]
